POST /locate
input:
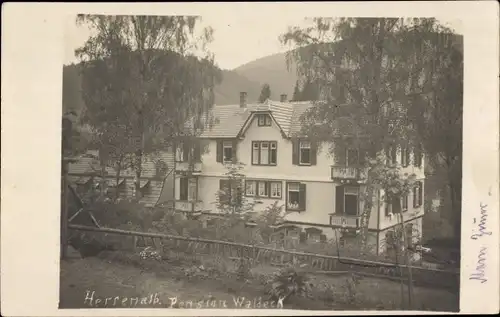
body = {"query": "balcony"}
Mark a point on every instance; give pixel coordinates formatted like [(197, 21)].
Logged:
[(188, 206), (348, 174), (194, 168), (346, 221)]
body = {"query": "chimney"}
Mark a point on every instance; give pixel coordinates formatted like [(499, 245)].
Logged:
[(243, 99), (283, 98)]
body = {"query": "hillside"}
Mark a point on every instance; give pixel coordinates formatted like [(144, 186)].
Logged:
[(228, 92), (273, 70)]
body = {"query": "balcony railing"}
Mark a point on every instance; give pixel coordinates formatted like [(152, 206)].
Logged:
[(186, 167), (188, 206), (353, 173), (346, 221)]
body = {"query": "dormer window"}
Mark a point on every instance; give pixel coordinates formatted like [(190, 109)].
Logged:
[(264, 120)]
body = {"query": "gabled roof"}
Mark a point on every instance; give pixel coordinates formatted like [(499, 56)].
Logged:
[(88, 164), (230, 121)]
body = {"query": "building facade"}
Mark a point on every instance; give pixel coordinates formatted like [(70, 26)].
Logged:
[(320, 193)]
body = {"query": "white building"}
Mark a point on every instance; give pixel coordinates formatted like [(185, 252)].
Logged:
[(321, 192)]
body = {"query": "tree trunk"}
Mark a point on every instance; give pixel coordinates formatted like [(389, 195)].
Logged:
[(365, 216), (408, 262), (117, 178)]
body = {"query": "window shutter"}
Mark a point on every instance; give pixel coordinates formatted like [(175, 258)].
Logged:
[(339, 199), (417, 156), (420, 193), (415, 198), (340, 154), (219, 151), (197, 152), (234, 150), (302, 197), (268, 189), (394, 152), (295, 152), (407, 156), (314, 152), (185, 151)]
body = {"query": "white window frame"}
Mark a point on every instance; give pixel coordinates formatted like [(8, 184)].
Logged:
[(306, 145), (278, 187), (259, 188), (264, 145), (253, 185), (289, 189), (257, 153), (264, 120), (227, 145), (404, 200)]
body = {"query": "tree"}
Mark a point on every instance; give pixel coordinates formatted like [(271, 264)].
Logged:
[(374, 74), (265, 93), (138, 76), (296, 92)]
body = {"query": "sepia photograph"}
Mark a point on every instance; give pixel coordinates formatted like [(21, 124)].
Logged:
[(213, 162)]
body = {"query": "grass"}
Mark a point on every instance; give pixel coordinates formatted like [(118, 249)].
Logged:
[(123, 278)]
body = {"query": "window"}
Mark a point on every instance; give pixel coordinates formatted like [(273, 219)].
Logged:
[(405, 156), (417, 195), (296, 196), (409, 235), (273, 154), (262, 189), (264, 152), (352, 157), (347, 200), (226, 151), (250, 188), (179, 153), (404, 203), (183, 188), (227, 148), (276, 189), (270, 189), (264, 120), (305, 152), (187, 188), (351, 201), (393, 155)]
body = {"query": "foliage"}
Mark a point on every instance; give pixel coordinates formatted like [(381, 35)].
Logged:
[(265, 93), (273, 215), (384, 82), (231, 199), (131, 100), (287, 282)]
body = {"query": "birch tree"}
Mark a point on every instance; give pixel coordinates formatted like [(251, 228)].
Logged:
[(375, 75)]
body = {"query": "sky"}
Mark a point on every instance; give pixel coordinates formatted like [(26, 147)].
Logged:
[(238, 38)]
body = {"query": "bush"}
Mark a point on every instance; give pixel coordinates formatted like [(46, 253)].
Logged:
[(287, 282)]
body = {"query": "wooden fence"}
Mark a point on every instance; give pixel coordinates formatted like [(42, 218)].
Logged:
[(316, 263)]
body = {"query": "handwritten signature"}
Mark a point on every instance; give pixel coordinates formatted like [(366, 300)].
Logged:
[(481, 227), (479, 273)]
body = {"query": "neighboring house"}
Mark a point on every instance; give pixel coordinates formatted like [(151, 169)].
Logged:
[(320, 192), (157, 179)]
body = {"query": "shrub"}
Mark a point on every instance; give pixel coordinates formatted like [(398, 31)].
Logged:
[(287, 282)]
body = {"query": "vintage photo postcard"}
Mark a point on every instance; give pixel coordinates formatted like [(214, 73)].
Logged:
[(250, 158)]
